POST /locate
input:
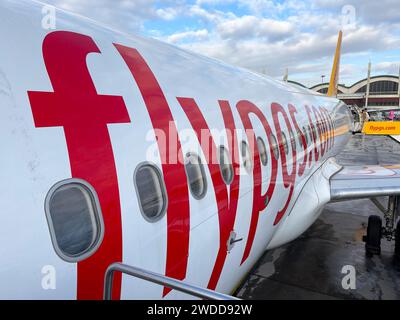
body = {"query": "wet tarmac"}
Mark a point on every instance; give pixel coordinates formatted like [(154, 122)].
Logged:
[(311, 266)]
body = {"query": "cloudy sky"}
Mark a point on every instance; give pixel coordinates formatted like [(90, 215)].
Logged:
[(266, 36)]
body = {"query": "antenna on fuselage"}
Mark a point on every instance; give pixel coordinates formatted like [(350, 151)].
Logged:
[(286, 75)]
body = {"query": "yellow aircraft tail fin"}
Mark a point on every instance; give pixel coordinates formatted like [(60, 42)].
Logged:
[(332, 90)]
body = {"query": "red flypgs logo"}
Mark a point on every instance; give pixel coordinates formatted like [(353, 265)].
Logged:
[(84, 115)]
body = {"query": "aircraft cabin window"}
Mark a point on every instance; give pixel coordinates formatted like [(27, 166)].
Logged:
[(299, 134), (151, 192), (314, 130), (275, 146), (262, 151), (196, 176), (225, 165), (75, 221), (285, 143), (305, 134), (246, 156), (292, 140), (310, 135)]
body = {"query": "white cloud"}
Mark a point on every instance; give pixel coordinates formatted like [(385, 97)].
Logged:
[(192, 35), (386, 67), (213, 2), (206, 15), (126, 15), (249, 27), (367, 11), (167, 14), (308, 53), (261, 34)]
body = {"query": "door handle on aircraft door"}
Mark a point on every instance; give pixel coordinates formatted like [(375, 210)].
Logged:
[(232, 240)]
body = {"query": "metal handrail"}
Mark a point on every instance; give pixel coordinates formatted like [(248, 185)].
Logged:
[(159, 279)]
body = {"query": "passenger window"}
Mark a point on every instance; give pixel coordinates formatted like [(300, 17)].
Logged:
[(151, 192), (285, 143), (225, 165), (292, 140), (299, 135), (305, 134), (75, 221), (315, 133), (310, 134), (196, 176), (246, 156), (275, 146), (263, 151)]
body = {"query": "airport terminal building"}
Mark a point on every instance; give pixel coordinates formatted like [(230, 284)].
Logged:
[(383, 92)]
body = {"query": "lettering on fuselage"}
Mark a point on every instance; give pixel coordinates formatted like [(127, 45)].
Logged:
[(84, 114)]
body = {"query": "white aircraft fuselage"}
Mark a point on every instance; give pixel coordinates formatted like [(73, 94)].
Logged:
[(86, 103)]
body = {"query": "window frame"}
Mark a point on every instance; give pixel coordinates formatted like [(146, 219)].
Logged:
[(293, 140), (275, 147), (162, 187), (203, 174), (306, 137), (244, 144), (315, 132), (310, 134), (259, 151), (98, 216), (285, 143), (226, 152)]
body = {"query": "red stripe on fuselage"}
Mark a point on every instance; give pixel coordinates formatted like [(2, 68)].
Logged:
[(313, 137), (84, 115), (302, 166), (319, 126), (227, 205), (325, 130), (260, 201), (288, 178), (178, 215)]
